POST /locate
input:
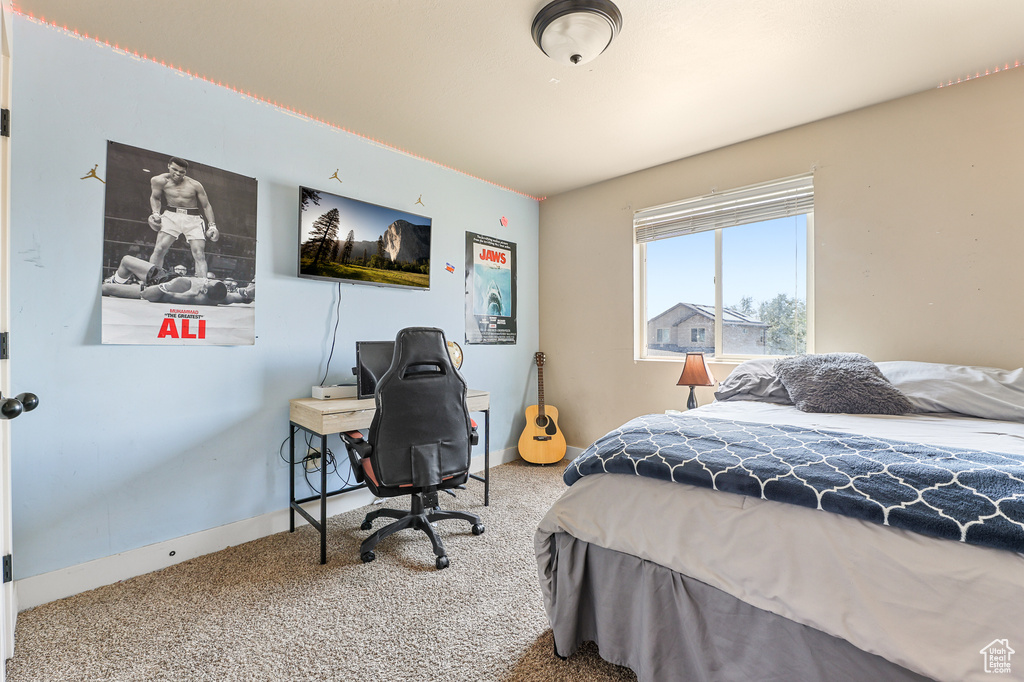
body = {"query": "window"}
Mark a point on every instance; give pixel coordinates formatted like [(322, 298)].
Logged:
[(664, 335), (733, 267)]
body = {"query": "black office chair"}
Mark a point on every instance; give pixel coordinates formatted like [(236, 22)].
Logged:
[(420, 440)]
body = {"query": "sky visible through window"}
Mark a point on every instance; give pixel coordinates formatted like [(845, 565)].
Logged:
[(760, 260)]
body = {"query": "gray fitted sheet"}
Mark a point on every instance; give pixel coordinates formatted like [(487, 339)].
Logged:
[(667, 626)]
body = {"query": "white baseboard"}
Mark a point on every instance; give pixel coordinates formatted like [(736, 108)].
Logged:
[(64, 582)]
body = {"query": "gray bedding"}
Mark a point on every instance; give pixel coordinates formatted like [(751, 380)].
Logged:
[(924, 604), (668, 626)]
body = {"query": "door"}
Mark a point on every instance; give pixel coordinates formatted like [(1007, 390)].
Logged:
[(8, 609)]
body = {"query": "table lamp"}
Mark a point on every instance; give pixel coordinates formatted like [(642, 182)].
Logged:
[(695, 373)]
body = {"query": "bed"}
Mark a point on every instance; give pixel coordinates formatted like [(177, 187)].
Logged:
[(866, 546)]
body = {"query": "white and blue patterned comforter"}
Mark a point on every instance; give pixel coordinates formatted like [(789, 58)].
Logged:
[(973, 496)]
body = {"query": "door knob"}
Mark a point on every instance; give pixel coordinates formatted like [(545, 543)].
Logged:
[(13, 407), (29, 400)]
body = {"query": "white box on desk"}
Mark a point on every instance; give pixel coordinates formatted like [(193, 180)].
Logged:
[(332, 392)]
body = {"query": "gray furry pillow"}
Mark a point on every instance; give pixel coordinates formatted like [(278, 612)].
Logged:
[(840, 382)]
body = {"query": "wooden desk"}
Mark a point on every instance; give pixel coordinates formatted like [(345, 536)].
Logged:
[(324, 417)]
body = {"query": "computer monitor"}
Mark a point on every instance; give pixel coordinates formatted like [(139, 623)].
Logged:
[(373, 358)]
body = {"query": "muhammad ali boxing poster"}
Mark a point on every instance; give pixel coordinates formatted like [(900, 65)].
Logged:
[(179, 252), (490, 290)]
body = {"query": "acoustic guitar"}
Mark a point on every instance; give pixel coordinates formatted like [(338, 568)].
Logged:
[(542, 441)]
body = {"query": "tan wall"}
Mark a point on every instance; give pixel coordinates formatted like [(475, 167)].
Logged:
[(919, 216)]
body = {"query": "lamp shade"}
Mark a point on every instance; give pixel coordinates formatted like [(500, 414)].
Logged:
[(696, 371), (576, 31)]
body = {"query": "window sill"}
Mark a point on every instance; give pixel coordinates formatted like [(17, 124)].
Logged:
[(730, 360)]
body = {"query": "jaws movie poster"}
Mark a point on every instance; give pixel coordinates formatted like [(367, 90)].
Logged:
[(490, 290)]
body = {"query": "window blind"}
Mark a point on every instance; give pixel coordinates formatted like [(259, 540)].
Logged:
[(754, 203)]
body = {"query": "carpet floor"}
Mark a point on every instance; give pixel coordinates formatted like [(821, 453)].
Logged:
[(267, 610)]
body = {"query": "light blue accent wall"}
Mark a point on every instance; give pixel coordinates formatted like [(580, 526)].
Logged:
[(133, 445)]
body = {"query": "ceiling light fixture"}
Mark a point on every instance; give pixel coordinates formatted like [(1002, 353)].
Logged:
[(576, 31)]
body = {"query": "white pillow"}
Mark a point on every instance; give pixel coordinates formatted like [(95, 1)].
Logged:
[(984, 392)]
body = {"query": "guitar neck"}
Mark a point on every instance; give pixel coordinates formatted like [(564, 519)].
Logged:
[(540, 390)]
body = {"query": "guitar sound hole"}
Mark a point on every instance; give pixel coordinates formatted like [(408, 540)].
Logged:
[(542, 422)]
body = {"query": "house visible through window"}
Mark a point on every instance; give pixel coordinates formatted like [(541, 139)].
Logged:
[(664, 335), (731, 267)]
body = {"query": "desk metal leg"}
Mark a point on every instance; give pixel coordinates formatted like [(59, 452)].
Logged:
[(321, 496), (291, 479), (486, 478), (487, 457), (323, 499)]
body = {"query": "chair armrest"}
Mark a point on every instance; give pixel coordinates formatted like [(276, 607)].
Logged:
[(358, 450), (474, 437)]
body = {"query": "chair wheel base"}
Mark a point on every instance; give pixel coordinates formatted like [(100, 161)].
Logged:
[(366, 525), (442, 562), (478, 529), (367, 557)]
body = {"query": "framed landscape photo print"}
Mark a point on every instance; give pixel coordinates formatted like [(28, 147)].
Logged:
[(352, 241)]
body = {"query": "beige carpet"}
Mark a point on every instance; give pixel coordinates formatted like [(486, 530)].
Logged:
[(267, 610)]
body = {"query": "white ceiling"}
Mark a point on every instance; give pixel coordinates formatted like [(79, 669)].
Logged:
[(460, 82)]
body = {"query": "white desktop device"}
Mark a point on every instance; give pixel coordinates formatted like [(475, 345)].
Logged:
[(332, 392)]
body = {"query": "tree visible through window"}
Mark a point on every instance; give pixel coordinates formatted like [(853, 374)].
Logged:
[(764, 267)]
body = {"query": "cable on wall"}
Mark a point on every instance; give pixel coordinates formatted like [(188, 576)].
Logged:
[(334, 336)]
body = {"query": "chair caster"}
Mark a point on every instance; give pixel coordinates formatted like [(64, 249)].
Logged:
[(442, 562), (478, 529), (366, 525), (367, 557)]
